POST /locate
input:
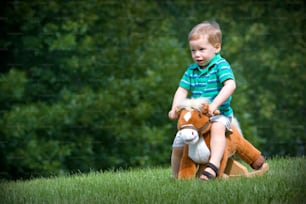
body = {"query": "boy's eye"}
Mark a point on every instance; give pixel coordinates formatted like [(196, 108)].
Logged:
[(202, 49)]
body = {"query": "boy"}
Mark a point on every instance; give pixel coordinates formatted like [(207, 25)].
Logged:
[(210, 76)]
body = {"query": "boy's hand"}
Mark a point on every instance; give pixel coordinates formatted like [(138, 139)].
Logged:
[(212, 110), (173, 114)]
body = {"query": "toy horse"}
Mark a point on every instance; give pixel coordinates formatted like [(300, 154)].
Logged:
[(194, 126)]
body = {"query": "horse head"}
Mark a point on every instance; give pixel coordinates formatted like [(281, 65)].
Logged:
[(193, 119)]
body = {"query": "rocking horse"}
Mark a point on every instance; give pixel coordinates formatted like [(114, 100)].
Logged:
[(194, 126)]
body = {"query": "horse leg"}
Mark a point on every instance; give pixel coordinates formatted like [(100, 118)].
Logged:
[(248, 153)]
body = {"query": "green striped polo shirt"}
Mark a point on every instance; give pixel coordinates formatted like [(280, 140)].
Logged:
[(209, 81)]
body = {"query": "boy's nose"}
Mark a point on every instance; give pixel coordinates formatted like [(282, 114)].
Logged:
[(196, 53)]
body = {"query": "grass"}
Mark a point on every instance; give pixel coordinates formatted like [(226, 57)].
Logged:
[(284, 183)]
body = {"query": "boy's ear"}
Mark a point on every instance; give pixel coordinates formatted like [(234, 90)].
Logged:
[(218, 47)]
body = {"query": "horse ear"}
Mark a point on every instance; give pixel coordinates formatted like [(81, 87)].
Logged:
[(217, 112), (205, 108), (178, 110)]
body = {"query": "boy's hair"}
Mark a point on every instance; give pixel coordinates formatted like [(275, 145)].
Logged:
[(207, 28)]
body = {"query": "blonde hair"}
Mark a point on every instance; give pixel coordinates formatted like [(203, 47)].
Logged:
[(207, 28)]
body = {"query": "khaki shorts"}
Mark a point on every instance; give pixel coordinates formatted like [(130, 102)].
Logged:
[(178, 141)]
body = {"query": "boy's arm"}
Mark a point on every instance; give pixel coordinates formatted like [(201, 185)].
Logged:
[(179, 95), (227, 90)]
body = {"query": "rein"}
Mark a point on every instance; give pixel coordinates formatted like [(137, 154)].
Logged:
[(199, 130)]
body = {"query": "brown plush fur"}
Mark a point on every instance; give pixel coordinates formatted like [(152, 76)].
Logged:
[(235, 144)]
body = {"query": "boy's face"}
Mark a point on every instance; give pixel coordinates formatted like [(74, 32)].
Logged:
[(202, 51)]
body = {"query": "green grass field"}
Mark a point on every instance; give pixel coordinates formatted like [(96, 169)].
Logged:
[(284, 183)]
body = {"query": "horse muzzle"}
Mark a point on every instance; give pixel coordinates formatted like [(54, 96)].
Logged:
[(189, 135)]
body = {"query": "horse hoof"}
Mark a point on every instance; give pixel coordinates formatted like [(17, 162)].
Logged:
[(258, 163)]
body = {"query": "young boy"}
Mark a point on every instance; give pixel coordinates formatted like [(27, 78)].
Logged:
[(210, 76)]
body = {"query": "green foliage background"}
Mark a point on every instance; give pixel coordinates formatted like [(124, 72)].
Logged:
[(87, 85)]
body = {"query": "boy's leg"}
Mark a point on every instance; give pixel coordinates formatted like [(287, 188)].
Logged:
[(176, 156), (217, 146)]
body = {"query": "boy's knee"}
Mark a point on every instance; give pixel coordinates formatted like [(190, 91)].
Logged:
[(217, 125)]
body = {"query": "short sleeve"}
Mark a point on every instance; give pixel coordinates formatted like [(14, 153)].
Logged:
[(225, 72)]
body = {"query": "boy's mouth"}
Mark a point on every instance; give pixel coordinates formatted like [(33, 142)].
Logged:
[(200, 62)]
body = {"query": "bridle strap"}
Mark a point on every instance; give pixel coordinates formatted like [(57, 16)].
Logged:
[(189, 127), (204, 127), (199, 130)]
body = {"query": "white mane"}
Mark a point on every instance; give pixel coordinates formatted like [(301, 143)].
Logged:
[(192, 103)]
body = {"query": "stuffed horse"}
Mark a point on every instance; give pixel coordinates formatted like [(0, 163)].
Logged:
[(194, 126)]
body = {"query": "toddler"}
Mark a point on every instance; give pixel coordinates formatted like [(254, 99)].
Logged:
[(209, 76)]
